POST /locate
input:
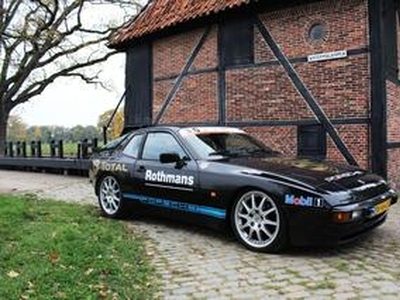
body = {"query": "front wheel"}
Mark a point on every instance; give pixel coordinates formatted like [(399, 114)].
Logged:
[(110, 197), (258, 222)]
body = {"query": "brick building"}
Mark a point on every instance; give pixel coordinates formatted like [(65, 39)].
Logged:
[(316, 78)]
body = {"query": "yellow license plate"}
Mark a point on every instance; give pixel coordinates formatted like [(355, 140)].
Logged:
[(382, 207)]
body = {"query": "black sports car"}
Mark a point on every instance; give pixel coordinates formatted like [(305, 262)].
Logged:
[(219, 174)]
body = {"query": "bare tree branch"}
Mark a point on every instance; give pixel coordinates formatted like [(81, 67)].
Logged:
[(43, 40), (38, 87)]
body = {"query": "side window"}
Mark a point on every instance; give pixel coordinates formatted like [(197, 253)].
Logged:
[(158, 143), (312, 141), (132, 149)]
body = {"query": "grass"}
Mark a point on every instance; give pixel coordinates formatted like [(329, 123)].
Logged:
[(53, 250), (70, 149)]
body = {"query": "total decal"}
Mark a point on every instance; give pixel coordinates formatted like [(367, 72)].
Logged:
[(109, 167), (162, 177), (303, 201)]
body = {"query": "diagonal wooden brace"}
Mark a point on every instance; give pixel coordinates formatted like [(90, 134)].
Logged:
[(304, 92), (182, 75)]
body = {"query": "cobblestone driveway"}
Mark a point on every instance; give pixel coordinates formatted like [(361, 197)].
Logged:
[(196, 263)]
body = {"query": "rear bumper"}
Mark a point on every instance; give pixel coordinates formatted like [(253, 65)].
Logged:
[(318, 228)]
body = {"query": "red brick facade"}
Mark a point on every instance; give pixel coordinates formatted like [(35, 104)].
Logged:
[(262, 97), (265, 93), (393, 119)]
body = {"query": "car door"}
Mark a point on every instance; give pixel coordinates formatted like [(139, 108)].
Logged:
[(128, 158), (170, 185)]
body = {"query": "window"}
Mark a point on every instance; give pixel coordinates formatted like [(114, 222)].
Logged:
[(390, 19), (317, 32), (134, 145), (312, 141), (233, 144), (236, 42), (159, 143)]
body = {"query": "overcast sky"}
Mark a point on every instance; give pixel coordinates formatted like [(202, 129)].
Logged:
[(69, 102)]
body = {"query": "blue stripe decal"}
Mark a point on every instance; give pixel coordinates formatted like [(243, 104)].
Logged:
[(188, 207)]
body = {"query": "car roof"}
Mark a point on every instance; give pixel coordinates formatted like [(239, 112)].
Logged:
[(191, 129)]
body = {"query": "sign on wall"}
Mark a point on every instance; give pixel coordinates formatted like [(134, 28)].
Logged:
[(327, 56)]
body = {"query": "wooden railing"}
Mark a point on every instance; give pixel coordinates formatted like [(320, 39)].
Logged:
[(34, 149), (52, 156)]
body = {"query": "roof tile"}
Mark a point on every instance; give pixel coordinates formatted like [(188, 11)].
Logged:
[(161, 14)]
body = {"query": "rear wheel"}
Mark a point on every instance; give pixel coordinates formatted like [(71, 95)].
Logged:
[(258, 222), (110, 198)]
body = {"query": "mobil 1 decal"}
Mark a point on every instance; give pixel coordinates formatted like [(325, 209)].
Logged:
[(164, 177), (305, 201)]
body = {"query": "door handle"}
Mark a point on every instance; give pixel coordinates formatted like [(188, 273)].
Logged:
[(141, 169)]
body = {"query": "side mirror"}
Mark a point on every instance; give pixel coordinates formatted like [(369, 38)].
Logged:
[(168, 158)]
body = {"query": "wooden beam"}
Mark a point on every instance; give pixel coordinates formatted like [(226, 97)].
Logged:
[(304, 92), (378, 91), (178, 82)]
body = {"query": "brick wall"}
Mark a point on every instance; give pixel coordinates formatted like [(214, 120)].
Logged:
[(279, 138), (263, 91), (346, 23), (356, 137), (196, 100), (394, 167), (393, 111), (393, 121)]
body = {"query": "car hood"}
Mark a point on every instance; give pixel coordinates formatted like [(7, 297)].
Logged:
[(323, 176)]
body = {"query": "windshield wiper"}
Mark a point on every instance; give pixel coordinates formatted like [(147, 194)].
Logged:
[(263, 151), (220, 153)]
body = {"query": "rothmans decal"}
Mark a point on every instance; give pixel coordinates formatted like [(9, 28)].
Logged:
[(109, 167), (303, 201), (162, 177)]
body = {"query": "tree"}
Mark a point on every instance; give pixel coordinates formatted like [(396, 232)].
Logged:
[(116, 126), (16, 129), (78, 133), (43, 40)]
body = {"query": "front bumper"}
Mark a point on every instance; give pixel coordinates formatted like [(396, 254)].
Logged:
[(317, 227)]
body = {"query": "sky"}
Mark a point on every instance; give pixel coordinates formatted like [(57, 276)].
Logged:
[(69, 101)]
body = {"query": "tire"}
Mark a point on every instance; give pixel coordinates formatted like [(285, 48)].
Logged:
[(258, 222), (111, 202)]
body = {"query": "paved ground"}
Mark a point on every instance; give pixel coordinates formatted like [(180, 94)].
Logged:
[(196, 263)]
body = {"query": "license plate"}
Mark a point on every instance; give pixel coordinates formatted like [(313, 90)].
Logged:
[(382, 207)]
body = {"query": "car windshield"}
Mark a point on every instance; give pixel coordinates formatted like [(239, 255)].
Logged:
[(228, 144)]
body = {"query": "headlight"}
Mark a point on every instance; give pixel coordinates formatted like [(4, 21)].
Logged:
[(348, 216)]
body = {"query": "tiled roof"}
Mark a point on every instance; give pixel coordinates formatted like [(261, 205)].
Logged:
[(161, 14)]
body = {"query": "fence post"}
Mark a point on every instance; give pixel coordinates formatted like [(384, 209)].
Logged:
[(79, 150), (10, 149), (95, 143), (60, 149), (18, 150), (39, 149), (24, 149), (85, 148), (52, 148), (33, 148)]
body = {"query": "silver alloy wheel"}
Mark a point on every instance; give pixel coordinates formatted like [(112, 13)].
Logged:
[(257, 219), (110, 195)]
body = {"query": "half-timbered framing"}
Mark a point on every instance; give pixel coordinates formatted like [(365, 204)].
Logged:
[(287, 71)]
